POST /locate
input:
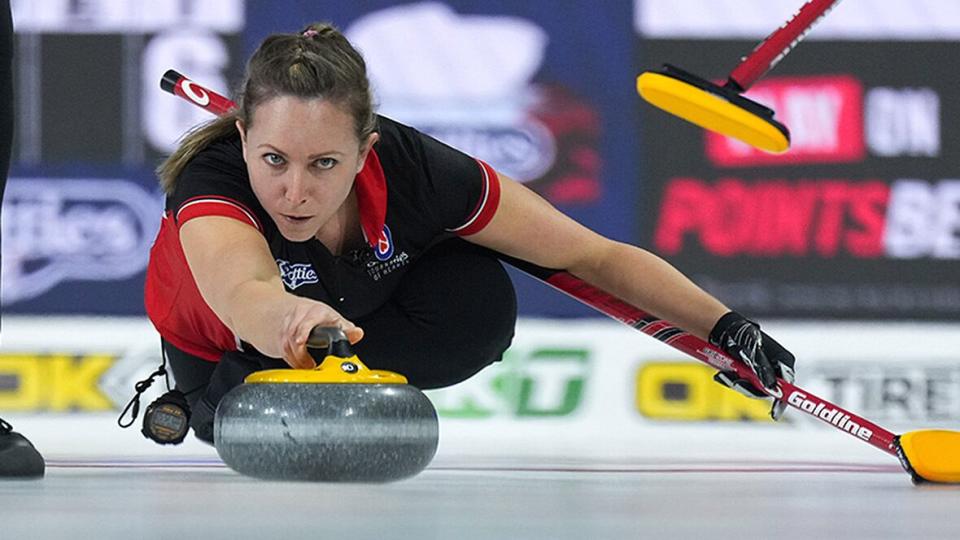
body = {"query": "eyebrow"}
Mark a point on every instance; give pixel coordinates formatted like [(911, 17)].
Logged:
[(311, 156)]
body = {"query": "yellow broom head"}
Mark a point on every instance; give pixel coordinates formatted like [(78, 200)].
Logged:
[(932, 455), (713, 107)]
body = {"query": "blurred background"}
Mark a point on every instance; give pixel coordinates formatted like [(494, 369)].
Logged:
[(845, 248)]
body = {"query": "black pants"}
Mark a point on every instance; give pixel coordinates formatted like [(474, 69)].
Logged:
[(453, 314), (6, 92)]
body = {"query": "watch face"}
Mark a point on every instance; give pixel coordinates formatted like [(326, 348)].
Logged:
[(167, 423)]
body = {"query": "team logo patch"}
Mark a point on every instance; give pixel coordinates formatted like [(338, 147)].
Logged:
[(384, 248), (296, 274)]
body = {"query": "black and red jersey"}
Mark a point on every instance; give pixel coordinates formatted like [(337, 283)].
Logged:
[(413, 191)]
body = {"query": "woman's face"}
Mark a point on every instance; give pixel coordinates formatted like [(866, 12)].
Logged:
[(302, 156)]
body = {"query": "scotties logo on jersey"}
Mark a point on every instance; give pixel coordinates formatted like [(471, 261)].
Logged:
[(296, 274), (384, 248)]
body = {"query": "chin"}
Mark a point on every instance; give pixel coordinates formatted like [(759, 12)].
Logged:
[(294, 232), (297, 236)]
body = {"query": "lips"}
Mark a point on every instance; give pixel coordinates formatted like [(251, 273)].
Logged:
[(295, 219)]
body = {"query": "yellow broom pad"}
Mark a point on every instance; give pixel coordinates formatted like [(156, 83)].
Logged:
[(933, 454), (710, 111)]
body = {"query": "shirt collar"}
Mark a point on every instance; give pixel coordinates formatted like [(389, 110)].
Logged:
[(371, 187)]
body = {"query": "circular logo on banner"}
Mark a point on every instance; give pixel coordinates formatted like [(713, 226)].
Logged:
[(195, 93), (384, 249)]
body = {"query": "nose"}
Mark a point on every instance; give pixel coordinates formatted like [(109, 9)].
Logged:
[(295, 189)]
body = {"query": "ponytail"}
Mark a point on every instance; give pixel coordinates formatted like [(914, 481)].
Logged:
[(193, 142)]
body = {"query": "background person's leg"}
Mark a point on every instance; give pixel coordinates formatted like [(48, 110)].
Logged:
[(6, 92), (453, 314), (18, 457)]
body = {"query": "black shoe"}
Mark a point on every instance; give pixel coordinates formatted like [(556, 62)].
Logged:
[(18, 457)]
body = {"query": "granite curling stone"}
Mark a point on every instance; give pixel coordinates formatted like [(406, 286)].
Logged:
[(338, 422)]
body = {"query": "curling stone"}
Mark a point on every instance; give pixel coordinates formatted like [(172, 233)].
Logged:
[(338, 422)]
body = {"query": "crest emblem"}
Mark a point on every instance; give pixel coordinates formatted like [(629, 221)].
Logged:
[(384, 248)]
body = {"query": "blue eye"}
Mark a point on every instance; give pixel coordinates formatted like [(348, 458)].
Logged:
[(325, 163), (273, 159)]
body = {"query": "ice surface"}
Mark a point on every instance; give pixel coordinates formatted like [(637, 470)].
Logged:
[(474, 498)]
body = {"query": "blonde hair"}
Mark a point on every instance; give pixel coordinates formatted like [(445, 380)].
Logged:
[(317, 62)]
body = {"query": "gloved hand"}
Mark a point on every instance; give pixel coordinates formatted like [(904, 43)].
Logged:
[(742, 339)]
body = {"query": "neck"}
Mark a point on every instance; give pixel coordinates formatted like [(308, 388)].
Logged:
[(342, 232)]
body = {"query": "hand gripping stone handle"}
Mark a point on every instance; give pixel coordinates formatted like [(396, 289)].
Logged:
[(332, 339)]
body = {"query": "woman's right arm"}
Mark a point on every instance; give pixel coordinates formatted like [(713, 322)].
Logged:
[(238, 278)]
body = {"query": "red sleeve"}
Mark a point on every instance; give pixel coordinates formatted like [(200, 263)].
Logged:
[(215, 183), (209, 205), (487, 203), (457, 193)]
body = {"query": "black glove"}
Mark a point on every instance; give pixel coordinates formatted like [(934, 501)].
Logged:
[(742, 339)]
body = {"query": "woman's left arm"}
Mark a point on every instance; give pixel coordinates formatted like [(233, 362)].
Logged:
[(527, 227)]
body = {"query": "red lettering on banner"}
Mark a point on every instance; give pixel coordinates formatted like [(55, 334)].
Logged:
[(869, 210), (774, 218), (728, 219), (824, 115), (683, 201), (827, 236), (793, 213)]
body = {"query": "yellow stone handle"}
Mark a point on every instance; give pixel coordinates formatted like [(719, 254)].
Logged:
[(340, 365)]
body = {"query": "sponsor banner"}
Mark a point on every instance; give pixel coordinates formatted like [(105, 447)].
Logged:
[(54, 382), (565, 388), (542, 378), (824, 115), (555, 370), (914, 20), (86, 239), (539, 382), (889, 391), (76, 364), (686, 392), (924, 391), (858, 220)]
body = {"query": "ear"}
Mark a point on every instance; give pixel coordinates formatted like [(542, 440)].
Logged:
[(365, 149), (243, 136)]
